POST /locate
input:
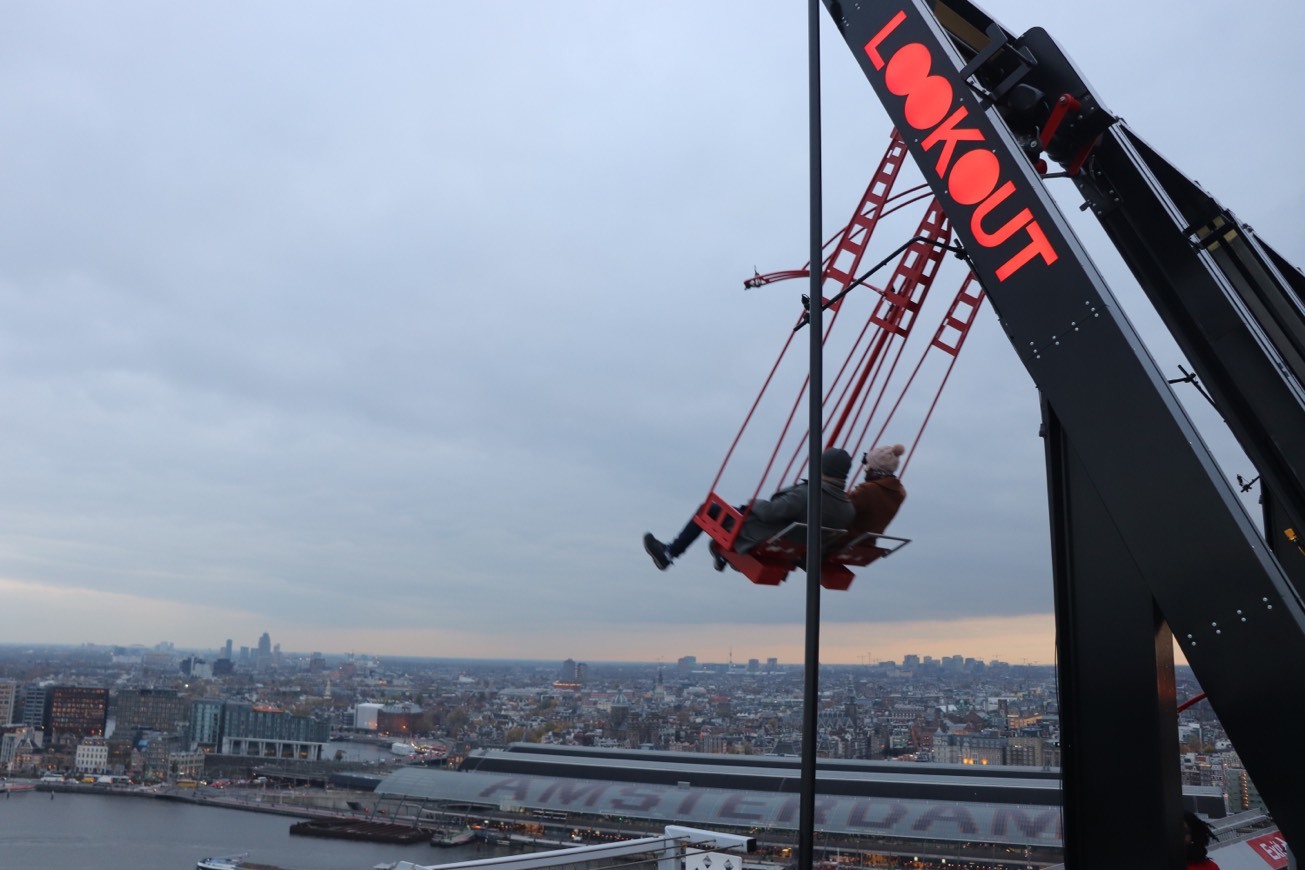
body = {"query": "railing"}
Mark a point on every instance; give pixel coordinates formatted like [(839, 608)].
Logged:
[(677, 847)]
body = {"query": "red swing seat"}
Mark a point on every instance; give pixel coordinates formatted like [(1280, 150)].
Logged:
[(769, 562)]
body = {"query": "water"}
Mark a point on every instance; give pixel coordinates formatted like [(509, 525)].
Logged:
[(99, 832)]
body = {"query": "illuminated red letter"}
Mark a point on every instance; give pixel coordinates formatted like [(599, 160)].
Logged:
[(947, 133), (872, 47), (1038, 245), (973, 176), (1006, 230)]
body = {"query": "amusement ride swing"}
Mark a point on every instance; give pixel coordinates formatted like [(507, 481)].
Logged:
[(861, 387)]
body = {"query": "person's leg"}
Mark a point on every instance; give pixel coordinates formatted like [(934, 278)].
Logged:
[(663, 554), (684, 539)]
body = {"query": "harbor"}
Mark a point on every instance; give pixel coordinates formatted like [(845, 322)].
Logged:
[(335, 819), (69, 829)]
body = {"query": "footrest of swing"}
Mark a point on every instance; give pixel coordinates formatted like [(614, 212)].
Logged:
[(720, 520), (835, 576), (865, 549), (763, 572)]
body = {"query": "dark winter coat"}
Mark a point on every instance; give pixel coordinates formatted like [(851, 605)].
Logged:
[(771, 516), (876, 502)]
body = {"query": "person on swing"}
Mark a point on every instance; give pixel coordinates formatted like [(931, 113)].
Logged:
[(878, 498), (768, 517)]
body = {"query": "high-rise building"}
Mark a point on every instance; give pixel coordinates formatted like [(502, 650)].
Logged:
[(34, 705), (196, 668), (228, 649), (151, 710), (8, 701), (74, 712), (206, 723), (265, 645), (566, 674)]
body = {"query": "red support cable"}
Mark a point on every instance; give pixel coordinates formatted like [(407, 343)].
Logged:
[(959, 318), (892, 320), (894, 315), (970, 302), (905, 292), (849, 244)]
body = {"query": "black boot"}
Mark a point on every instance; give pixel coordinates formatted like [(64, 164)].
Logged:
[(657, 550)]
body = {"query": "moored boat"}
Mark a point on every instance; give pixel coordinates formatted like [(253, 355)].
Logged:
[(222, 862), (449, 838)]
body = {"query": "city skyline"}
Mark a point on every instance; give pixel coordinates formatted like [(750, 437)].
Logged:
[(739, 658), (396, 332)]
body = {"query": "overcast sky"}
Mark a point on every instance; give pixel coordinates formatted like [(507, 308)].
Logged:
[(391, 327)]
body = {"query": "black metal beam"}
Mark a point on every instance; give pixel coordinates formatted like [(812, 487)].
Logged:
[(1195, 551), (1115, 668), (1226, 304)]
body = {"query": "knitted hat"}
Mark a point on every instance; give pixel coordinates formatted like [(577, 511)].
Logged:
[(884, 458), (835, 462)]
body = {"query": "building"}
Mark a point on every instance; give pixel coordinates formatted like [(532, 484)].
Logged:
[(365, 716), (92, 756), (186, 765), (402, 720), (965, 812), (18, 749), (73, 713), (11, 737), (151, 710), (884, 807), (236, 728), (8, 701), (33, 706), (197, 668), (206, 723), (966, 747)]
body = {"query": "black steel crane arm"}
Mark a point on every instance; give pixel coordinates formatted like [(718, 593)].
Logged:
[(1228, 305), (1148, 534)]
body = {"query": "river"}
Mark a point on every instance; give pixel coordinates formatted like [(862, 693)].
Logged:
[(99, 832)]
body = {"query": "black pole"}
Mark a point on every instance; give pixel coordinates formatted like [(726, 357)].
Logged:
[(811, 670)]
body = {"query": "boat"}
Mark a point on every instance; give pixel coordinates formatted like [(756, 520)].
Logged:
[(359, 829), (448, 838), (222, 862)]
